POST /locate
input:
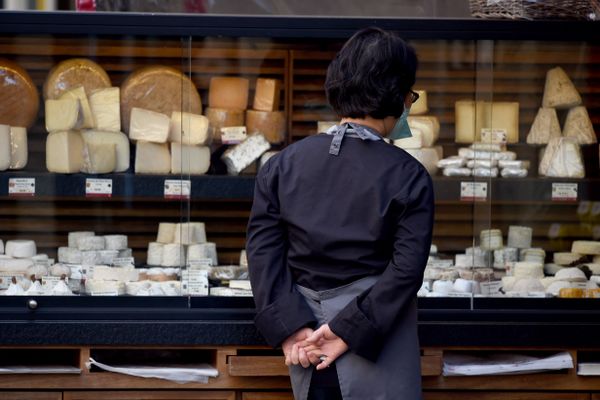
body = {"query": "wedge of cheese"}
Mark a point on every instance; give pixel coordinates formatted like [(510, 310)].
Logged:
[(579, 126), (429, 127), (428, 156), (106, 108), (420, 107), (562, 158), (118, 139), (559, 91), (149, 126), (4, 147), (99, 158), (228, 92), (152, 158), (64, 152), (266, 95), (192, 160), (63, 115), (18, 147), (468, 121), (545, 126), (413, 142), (78, 93), (189, 129)]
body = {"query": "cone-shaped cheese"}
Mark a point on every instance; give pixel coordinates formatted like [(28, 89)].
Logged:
[(78, 93), (420, 107), (559, 91), (579, 126), (64, 152), (544, 127)]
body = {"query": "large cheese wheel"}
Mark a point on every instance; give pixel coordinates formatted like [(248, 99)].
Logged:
[(270, 123), (158, 88), (19, 98), (72, 73)]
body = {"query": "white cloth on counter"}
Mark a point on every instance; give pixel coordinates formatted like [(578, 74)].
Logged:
[(503, 363)]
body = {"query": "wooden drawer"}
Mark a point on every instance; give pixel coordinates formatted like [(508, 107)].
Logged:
[(31, 395), (150, 395), (257, 366), (267, 396), (452, 395)]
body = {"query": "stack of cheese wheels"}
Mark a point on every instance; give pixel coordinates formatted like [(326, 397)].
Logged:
[(83, 120), (178, 244), (561, 157), (227, 103), (86, 249), (425, 131), (161, 111), (18, 111), (265, 117)]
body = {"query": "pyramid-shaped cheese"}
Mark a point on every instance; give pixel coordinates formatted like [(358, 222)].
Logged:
[(544, 127), (559, 91), (579, 126), (562, 159)]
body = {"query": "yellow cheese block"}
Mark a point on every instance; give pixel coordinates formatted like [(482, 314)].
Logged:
[(270, 123), (19, 97), (158, 88), (72, 73), (220, 118), (472, 117), (266, 95), (420, 107), (64, 152), (228, 92)]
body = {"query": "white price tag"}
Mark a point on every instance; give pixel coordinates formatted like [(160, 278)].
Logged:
[(21, 186), (98, 187), (233, 134), (564, 191), (473, 191), (48, 282), (177, 189), (459, 294), (493, 136), (194, 282), (490, 288), (107, 293), (440, 263), (201, 263)]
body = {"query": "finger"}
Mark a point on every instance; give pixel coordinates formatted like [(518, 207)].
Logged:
[(309, 348), (325, 362), (316, 336), (288, 360), (294, 355), (314, 358), (304, 361)]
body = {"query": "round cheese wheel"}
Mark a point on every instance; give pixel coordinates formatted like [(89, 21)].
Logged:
[(73, 73), (270, 123), (19, 97), (158, 88)]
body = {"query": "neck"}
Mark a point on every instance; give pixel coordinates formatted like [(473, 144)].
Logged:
[(376, 124)]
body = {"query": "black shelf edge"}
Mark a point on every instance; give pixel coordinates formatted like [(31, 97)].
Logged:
[(186, 25)]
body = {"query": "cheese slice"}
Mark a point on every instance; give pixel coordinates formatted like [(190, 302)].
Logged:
[(429, 126), (4, 147), (192, 160), (152, 158), (566, 161), (18, 147), (266, 95), (559, 91), (579, 126), (420, 107), (78, 93), (413, 142), (158, 88), (149, 126), (19, 97), (118, 139), (586, 247), (99, 158), (545, 126), (228, 92), (271, 124), (221, 118), (64, 152), (63, 115), (106, 108), (189, 129)]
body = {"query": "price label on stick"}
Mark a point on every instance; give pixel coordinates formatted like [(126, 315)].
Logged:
[(473, 191), (564, 191), (98, 187), (21, 187), (177, 189)]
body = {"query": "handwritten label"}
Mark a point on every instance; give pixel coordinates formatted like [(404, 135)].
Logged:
[(194, 282), (201, 263), (177, 189), (493, 136), (564, 191), (473, 191), (21, 187), (233, 134), (123, 261), (98, 187), (490, 288)]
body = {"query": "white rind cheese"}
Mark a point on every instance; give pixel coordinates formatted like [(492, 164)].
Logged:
[(4, 147), (166, 232), (559, 91), (99, 158), (149, 126), (240, 156), (91, 257), (189, 129), (115, 242), (152, 158), (491, 239), (87, 243), (545, 127), (562, 258), (429, 127), (79, 94), (579, 126), (585, 247), (1, 247), (18, 147), (120, 141), (413, 142), (526, 269), (74, 237), (562, 158), (63, 115), (20, 248), (155, 254), (106, 108), (572, 274), (193, 160), (203, 250), (64, 152), (519, 236), (173, 255), (102, 287), (190, 233), (69, 255)]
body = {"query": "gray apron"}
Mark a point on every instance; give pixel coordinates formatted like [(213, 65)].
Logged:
[(397, 372)]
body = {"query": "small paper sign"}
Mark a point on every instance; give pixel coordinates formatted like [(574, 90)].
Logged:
[(123, 261), (98, 187), (194, 282), (490, 288), (473, 191), (107, 293), (440, 263), (233, 134), (177, 189), (459, 294), (201, 263), (21, 187), (564, 191), (48, 282), (493, 136)]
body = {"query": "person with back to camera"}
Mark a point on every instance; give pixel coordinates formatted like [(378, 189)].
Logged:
[(340, 232)]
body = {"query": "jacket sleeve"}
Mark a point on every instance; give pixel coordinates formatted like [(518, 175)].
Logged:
[(364, 323), (281, 309)]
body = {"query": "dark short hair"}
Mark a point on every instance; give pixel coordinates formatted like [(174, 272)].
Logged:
[(371, 75)]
